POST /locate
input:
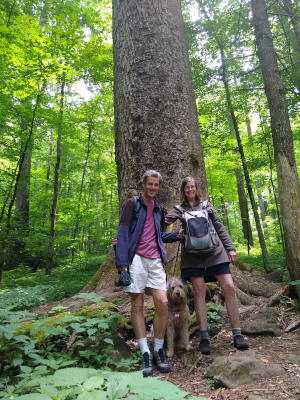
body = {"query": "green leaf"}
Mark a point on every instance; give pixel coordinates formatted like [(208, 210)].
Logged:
[(117, 386), (49, 329), (48, 389), (17, 361), (34, 396), (70, 376), (94, 382), (85, 396), (91, 331), (108, 341), (26, 369)]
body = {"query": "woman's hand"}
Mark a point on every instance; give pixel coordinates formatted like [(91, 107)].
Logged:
[(232, 256), (180, 234)]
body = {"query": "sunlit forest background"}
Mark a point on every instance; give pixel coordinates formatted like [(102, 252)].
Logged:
[(57, 123)]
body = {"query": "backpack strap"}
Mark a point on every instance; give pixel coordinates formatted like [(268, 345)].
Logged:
[(179, 208), (204, 205), (137, 204)]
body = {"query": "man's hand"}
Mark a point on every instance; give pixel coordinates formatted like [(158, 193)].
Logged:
[(122, 269), (232, 256), (180, 234)]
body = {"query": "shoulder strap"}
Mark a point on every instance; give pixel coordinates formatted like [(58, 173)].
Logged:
[(204, 205), (137, 206), (179, 208), (137, 203)]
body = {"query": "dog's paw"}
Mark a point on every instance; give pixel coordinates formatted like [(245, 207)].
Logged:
[(170, 353)]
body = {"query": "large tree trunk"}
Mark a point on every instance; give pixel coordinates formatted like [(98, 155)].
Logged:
[(288, 186), (156, 121)]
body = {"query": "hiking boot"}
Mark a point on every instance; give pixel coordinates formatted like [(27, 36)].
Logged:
[(146, 364), (240, 343), (204, 346), (160, 360)]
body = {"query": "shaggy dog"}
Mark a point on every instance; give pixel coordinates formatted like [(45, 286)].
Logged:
[(178, 315)]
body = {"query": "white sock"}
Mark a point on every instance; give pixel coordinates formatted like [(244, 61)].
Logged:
[(143, 345), (158, 344)]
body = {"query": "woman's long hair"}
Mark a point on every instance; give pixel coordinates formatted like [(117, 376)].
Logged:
[(185, 181)]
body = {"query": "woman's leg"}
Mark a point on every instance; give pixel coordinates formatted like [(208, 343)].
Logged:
[(201, 313), (232, 306), (199, 301)]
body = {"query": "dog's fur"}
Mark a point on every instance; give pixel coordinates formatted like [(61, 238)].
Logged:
[(177, 301)]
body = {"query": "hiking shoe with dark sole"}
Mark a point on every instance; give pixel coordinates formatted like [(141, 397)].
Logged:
[(146, 364), (240, 343), (204, 347), (161, 363)]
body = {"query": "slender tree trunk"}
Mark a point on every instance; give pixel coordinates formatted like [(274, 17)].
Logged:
[(262, 242), (156, 121), (288, 185), (49, 160), (23, 154), (49, 259), (243, 204), (81, 190)]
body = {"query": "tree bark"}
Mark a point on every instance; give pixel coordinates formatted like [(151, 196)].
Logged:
[(243, 204), (288, 186), (49, 259), (156, 121)]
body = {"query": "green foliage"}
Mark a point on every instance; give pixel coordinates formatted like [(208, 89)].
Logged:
[(65, 281), (91, 384), (40, 342), (21, 298), (213, 316), (214, 381)]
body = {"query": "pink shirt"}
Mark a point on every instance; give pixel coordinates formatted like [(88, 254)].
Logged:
[(148, 243)]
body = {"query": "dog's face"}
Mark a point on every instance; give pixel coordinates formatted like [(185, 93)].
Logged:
[(177, 290)]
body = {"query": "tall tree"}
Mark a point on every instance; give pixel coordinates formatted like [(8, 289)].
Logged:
[(288, 185), (156, 121)]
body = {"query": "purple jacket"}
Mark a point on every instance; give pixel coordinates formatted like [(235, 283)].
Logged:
[(129, 232)]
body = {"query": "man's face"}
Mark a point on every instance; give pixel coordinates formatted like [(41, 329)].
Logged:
[(150, 188)]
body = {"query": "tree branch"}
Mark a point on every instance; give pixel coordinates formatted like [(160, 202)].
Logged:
[(289, 30), (255, 88), (289, 66), (244, 18)]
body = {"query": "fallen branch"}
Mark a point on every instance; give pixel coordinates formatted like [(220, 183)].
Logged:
[(195, 363), (69, 342), (293, 325)]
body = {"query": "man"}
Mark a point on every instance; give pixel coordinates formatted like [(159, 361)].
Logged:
[(140, 248)]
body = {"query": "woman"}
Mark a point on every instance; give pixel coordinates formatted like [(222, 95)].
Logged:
[(209, 267)]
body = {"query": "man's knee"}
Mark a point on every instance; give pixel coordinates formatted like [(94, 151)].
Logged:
[(137, 303)]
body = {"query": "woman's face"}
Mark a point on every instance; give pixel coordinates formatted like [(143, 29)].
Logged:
[(190, 191)]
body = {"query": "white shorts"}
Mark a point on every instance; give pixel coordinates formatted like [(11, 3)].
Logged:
[(146, 273)]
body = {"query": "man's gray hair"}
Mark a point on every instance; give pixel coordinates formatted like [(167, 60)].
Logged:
[(153, 173)]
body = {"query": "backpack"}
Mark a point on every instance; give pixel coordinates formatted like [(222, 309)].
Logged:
[(199, 233), (137, 204)]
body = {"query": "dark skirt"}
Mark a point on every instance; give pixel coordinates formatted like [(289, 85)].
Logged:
[(208, 273)]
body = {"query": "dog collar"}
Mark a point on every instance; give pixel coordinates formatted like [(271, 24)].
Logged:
[(177, 316)]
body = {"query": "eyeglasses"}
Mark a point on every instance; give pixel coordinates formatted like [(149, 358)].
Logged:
[(190, 187)]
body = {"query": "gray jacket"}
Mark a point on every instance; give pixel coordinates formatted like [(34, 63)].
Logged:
[(204, 260)]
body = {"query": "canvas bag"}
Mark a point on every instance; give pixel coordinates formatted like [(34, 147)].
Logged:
[(199, 232)]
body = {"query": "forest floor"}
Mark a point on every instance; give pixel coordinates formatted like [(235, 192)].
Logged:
[(267, 348)]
